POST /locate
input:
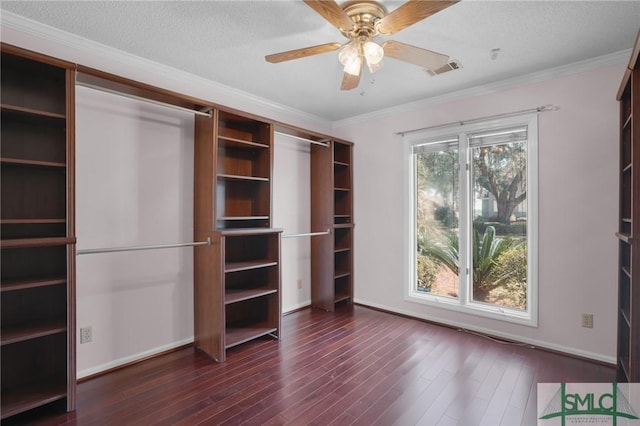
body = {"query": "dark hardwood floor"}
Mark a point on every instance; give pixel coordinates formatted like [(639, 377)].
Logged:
[(354, 366)]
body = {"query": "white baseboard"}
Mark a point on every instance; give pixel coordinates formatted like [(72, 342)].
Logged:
[(297, 306), (533, 342), (125, 360)]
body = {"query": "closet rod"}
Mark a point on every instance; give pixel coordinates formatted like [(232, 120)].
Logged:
[(142, 99), (323, 142), (542, 108), (134, 248), (308, 234)]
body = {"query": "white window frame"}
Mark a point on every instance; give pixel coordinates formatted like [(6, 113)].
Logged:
[(463, 303)]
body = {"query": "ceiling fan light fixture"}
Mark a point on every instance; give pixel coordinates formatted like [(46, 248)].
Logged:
[(354, 66), (373, 53), (375, 67), (349, 54)]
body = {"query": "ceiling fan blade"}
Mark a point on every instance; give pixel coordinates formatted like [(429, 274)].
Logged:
[(422, 57), (350, 81), (411, 12), (332, 12), (301, 53)]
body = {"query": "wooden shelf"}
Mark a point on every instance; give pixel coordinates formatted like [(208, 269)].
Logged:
[(31, 111), (343, 225), (235, 295), (240, 143), (28, 397), (33, 283), (340, 163), (342, 189), (36, 242), (625, 271), (625, 316), (342, 297), (624, 237), (244, 178), (341, 250), (246, 266), (237, 232), (243, 218), (32, 163), (340, 274), (244, 333), (22, 332), (31, 221), (627, 122)]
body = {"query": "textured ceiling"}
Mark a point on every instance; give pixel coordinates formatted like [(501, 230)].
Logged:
[(226, 41)]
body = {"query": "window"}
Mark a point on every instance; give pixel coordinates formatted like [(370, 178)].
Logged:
[(473, 218)]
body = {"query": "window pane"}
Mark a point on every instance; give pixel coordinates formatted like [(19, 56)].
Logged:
[(437, 221), (499, 245)]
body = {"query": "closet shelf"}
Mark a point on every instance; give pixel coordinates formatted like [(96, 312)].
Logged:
[(32, 111), (28, 397), (626, 271), (235, 232), (243, 178), (36, 242), (627, 121), (343, 225), (340, 274), (31, 221), (248, 265), (241, 143), (239, 295), (624, 237), (236, 335), (221, 218), (33, 163), (340, 163), (33, 330), (342, 189), (32, 283), (339, 297), (625, 316), (342, 250)]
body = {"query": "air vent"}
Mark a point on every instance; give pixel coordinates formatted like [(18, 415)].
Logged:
[(450, 66)]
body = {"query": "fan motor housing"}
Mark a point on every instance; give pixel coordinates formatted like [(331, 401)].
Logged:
[(364, 14)]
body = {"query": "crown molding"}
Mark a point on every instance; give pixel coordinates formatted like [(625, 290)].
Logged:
[(48, 37), (535, 77)]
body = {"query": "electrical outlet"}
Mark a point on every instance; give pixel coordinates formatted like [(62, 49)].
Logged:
[(299, 284), (587, 320), (86, 334)]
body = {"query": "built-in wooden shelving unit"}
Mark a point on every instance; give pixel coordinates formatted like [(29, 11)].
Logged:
[(629, 224), (37, 232)]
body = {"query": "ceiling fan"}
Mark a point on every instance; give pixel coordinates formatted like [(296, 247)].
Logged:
[(361, 22)]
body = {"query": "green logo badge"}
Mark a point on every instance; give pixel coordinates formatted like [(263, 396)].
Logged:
[(586, 403)]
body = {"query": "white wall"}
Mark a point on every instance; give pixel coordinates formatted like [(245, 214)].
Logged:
[(134, 186), (292, 213), (578, 197)]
